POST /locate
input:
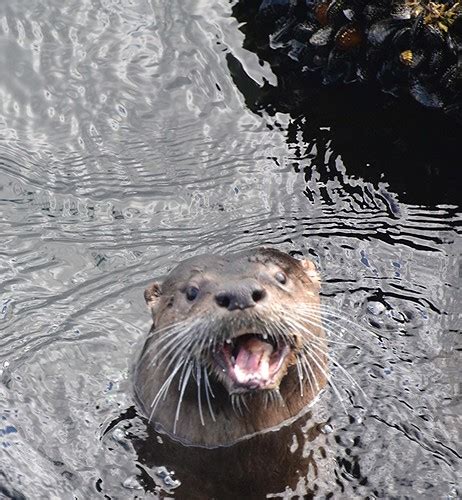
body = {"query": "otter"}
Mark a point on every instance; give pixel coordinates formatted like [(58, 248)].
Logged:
[(236, 348)]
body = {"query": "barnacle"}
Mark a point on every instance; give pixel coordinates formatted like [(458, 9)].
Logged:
[(411, 59), (440, 14), (407, 57)]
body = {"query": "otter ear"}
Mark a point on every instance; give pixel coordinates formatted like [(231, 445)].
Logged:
[(152, 294), (310, 271)]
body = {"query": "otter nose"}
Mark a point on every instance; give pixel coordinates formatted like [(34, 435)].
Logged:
[(240, 295)]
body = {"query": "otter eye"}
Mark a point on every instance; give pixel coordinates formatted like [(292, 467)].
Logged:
[(191, 292), (281, 277)]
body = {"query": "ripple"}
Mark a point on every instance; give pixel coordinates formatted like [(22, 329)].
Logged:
[(125, 147)]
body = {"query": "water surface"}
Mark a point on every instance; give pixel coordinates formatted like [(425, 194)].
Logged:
[(127, 143)]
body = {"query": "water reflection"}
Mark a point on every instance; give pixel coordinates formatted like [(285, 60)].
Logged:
[(135, 134), (235, 471)]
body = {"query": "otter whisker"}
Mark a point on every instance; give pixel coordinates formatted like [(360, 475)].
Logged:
[(210, 340), (167, 341), (314, 320), (167, 348), (297, 326), (278, 398), (168, 366), (199, 402), (320, 346), (271, 397), (187, 361), (318, 362), (244, 401), (176, 350), (331, 327), (317, 324), (291, 325), (309, 374), (300, 376), (208, 392), (280, 332), (155, 332), (206, 376), (269, 328), (236, 404), (181, 354), (242, 406), (164, 333), (180, 361), (165, 386), (341, 368), (327, 308), (180, 397), (180, 349), (233, 403), (338, 314)]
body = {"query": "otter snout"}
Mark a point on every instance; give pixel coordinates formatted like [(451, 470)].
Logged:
[(240, 295)]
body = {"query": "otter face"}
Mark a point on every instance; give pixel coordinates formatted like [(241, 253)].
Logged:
[(228, 327)]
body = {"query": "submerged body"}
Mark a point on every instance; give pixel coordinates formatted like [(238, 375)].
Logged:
[(236, 347)]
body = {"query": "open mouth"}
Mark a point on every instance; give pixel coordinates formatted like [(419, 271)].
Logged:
[(252, 362)]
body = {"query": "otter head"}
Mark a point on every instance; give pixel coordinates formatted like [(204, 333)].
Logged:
[(236, 346)]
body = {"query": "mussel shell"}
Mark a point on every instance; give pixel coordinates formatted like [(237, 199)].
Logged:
[(275, 8), (453, 44), (433, 37), (341, 66), (348, 37), (425, 96), (452, 78), (320, 13), (362, 39), (436, 61), (402, 39), (282, 35), (322, 36), (380, 31), (336, 12), (302, 31), (373, 13), (392, 77), (401, 10)]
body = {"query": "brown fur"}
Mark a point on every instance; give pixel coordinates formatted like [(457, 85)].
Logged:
[(209, 273)]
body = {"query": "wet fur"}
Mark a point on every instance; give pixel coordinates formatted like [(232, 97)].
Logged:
[(177, 384)]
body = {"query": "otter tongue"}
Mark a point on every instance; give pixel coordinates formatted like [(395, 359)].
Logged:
[(252, 360)]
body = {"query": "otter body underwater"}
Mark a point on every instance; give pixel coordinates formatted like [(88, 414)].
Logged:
[(236, 350)]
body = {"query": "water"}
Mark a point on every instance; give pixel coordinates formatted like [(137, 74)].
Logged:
[(129, 140)]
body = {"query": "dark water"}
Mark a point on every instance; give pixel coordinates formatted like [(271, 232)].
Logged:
[(128, 141)]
